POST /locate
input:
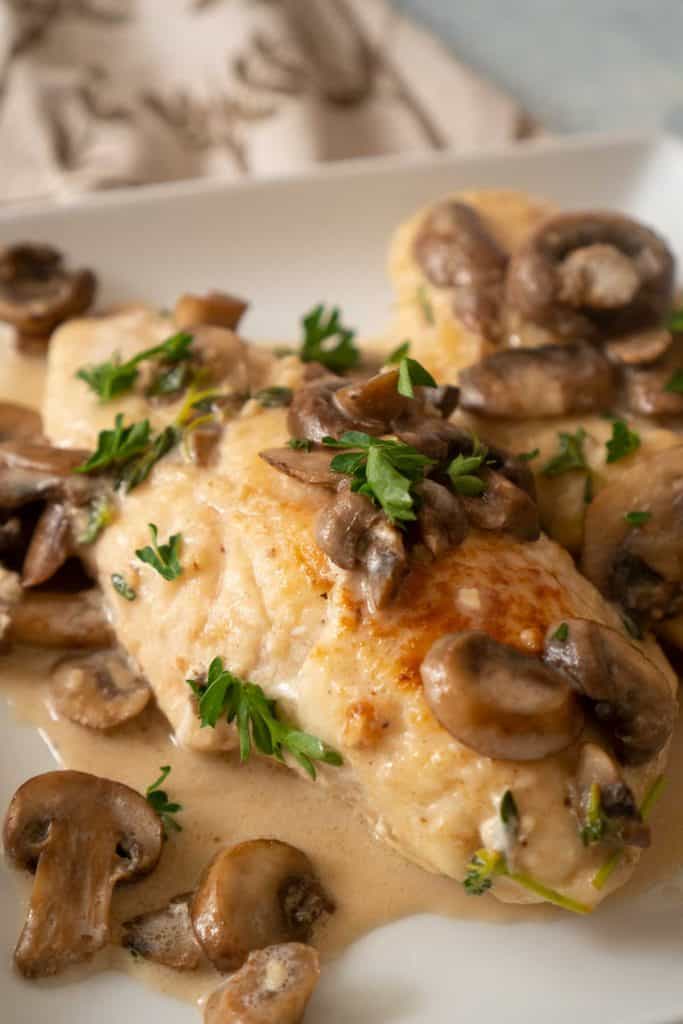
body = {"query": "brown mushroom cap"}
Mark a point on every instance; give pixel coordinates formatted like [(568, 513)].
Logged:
[(375, 402), (216, 309), (641, 567), (455, 250), (593, 270), (31, 470), (504, 506), (60, 621), (644, 387), (165, 936), (221, 358), (50, 546), (19, 422), (630, 695), (617, 802), (253, 895), (81, 835), (551, 380), (640, 348), (441, 517), (500, 702), (273, 987), (98, 690), (37, 292), (310, 467)]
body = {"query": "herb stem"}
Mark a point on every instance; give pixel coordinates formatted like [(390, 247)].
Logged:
[(548, 894), (653, 794)]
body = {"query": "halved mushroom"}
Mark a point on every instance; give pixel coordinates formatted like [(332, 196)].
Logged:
[(591, 272), (441, 517), (273, 987), (36, 290), (455, 249), (375, 402), (639, 565), (310, 467), (60, 621), (629, 694), (19, 422), (165, 936), (500, 702), (81, 835), (354, 533), (503, 506), (50, 545), (215, 309), (98, 690), (253, 895), (605, 805), (551, 380)]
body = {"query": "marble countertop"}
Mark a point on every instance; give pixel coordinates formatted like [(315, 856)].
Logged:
[(577, 65)]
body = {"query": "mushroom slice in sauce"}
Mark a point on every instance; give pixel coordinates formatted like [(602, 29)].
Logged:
[(30, 470), (19, 422), (640, 348), (310, 467), (253, 895), (217, 309), (594, 270), (98, 690), (644, 387), (551, 380), (504, 506), (500, 702), (629, 694), (36, 290), (640, 566), (165, 936), (375, 402), (60, 621), (618, 811), (353, 533), (81, 835), (50, 545), (441, 517), (273, 987), (454, 249), (221, 358)]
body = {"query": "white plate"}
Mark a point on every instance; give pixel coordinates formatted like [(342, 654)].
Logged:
[(289, 244)]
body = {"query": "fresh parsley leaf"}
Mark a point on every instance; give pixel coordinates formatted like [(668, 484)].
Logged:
[(300, 443), (561, 634), (115, 447), (162, 557), (395, 357), (271, 398), (327, 341), (100, 514), (675, 320), (509, 814), (113, 378), (157, 798), (675, 382), (637, 518), (425, 305), (137, 469), (258, 724), (384, 470), (462, 472), (623, 441), (412, 374), (571, 454), (528, 456), (122, 587)]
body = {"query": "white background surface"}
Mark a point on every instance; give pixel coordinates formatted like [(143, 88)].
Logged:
[(287, 245)]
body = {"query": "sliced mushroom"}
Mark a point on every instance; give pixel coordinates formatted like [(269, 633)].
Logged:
[(582, 272), (19, 422), (273, 987), (253, 895), (436, 438), (216, 309), (37, 292), (640, 348), (50, 545), (629, 694), (165, 936), (98, 690), (441, 517), (60, 621), (375, 402), (503, 506), (310, 467), (500, 702), (81, 835), (314, 414), (202, 442), (645, 387), (639, 566), (617, 807), (31, 470), (221, 358), (354, 533), (551, 380), (455, 250)]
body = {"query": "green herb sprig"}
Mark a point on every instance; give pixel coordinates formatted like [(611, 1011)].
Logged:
[(623, 441), (595, 823), (412, 374), (122, 587), (674, 385), (464, 468), (113, 378), (257, 720), (570, 456), (157, 798), (485, 865), (162, 557), (638, 518), (100, 515), (273, 398), (327, 341), (130, 452), (653, 794)]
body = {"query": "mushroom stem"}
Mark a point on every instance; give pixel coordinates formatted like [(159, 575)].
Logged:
[(60, 621)]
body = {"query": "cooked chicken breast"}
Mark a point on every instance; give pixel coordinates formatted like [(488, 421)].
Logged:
[(257, 590)]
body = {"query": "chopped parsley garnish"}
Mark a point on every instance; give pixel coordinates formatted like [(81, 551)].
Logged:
[(162, 557), (138, 469), (412, 374), (675, 320), (258, 723), (122, 587), (113, 378), (157, 798), (675, 382), (637, 518), (528, 456), (623, 441), (100, 514), (327, 341), (463, 471), (300, 443), (129, 452), (595, 824), (486, 864), (509, 814), (271, 398), (384, 470), (570, 456), (398, 354), (561, 634), (425, 304)]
